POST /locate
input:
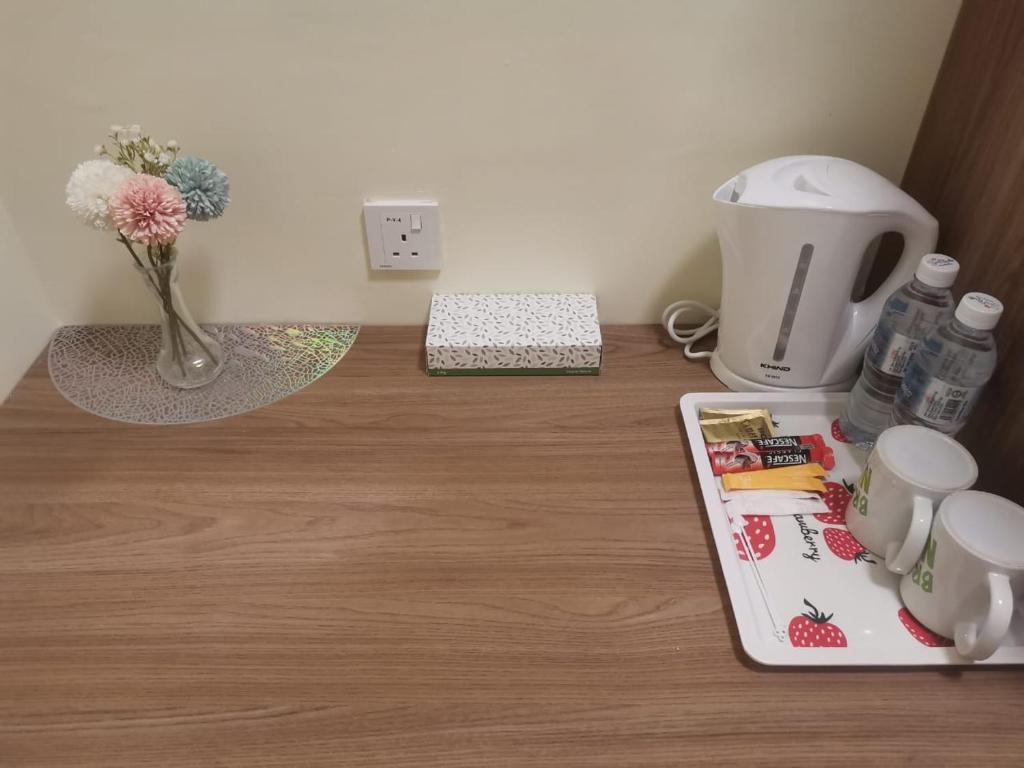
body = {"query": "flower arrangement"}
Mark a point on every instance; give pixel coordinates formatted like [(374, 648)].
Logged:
[(146, 193)]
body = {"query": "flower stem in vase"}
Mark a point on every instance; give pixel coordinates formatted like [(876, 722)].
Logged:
[(177, 346), (188, 357)]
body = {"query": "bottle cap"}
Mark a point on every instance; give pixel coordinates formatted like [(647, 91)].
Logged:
[(937, 270), (979, 311)]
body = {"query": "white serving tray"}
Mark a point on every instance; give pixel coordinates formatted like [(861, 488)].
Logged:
[(795, 561)]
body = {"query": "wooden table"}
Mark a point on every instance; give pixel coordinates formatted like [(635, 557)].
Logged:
[(393, 570)]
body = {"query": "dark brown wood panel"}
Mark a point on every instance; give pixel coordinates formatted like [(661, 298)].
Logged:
[(397, 571), (967, 168)]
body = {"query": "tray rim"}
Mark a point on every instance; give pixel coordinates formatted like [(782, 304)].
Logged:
[(754, 645)]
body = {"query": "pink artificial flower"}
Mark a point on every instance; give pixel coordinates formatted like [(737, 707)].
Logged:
[(148, 210)]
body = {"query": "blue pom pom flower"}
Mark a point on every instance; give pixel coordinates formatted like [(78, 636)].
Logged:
[(204, 188)]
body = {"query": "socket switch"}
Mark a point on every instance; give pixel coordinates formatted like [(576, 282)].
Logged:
[(403, 234)]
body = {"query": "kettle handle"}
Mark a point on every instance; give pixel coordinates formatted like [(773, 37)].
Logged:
[(919, 237)]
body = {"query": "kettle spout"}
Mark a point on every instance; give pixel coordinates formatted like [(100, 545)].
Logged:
[(731, 191)]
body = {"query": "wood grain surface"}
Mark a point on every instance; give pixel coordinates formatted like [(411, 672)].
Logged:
[(967, 168), (392, 570)]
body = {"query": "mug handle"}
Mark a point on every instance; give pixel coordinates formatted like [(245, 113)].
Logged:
[(901, 559), (978, 644)]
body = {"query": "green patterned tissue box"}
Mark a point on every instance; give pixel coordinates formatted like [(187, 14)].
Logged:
[(513, 334)]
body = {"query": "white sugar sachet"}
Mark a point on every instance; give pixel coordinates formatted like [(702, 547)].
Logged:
[(774, 506), (725, 495)]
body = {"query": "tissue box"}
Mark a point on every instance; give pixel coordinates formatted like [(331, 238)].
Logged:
[(513, 334)]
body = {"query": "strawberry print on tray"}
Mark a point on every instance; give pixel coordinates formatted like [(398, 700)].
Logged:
[(921, 633), (814, 629), (837, 497), (760, 533), (841, 543), (837, 433)]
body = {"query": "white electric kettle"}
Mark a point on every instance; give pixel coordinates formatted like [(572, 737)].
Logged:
[(795, 233)]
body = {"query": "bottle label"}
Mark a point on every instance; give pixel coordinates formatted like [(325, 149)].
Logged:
[(944, 403), (896, 354)]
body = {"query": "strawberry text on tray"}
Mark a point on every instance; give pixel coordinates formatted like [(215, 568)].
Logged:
[(806, 531)]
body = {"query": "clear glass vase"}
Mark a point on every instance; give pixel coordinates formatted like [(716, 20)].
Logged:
[(188, 357)]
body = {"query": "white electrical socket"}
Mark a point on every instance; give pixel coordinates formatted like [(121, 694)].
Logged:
[(403, 234)]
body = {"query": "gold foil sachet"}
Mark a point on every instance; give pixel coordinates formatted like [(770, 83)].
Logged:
[(721, 424)]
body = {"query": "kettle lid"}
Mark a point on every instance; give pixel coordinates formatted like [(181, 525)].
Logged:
[(815, 182)]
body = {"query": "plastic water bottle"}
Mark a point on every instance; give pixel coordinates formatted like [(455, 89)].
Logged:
[(950, 368), (911, 312)]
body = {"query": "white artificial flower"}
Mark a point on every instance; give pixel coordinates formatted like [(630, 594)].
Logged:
[(172, 144), (133, 133), (90, 187), (116, 129), (149, 157), (164, 158), (98, 149)]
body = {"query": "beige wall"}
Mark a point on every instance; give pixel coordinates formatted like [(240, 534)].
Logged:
[(26, 318), (573, 144)]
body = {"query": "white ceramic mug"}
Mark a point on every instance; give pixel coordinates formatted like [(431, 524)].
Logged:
[(910, 471), (971, 573)]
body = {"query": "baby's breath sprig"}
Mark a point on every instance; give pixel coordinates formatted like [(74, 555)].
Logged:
[(133, 149)]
